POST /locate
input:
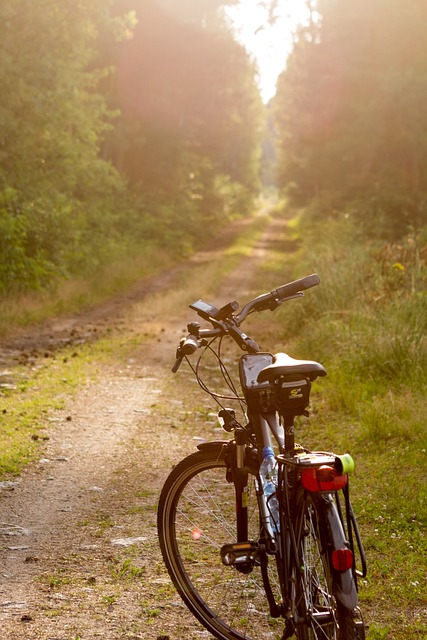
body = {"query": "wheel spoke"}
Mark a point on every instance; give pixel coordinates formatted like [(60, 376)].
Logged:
[(197, 515), (326, 619)]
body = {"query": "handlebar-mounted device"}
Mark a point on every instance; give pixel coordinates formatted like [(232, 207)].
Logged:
[(226, 320), (209, 312)]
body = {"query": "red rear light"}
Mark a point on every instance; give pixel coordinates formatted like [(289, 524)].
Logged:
[(324, 478), (325, 474), (342, 559)]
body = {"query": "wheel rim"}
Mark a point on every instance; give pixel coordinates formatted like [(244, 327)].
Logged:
[(199, 518)]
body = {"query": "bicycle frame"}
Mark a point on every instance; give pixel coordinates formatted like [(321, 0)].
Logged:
[(311, 516), (285, 544)]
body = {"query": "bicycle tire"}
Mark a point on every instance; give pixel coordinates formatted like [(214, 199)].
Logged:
[(323, 616), (196, 517)]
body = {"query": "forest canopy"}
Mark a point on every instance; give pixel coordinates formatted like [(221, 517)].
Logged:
[(131, 124)]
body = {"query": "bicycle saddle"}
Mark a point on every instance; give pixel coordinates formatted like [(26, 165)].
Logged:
[(284, 365)]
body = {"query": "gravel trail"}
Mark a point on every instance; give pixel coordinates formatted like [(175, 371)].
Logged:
[(79, 557)]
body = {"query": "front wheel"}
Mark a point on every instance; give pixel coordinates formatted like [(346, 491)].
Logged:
[(321, 615), (196, 518)]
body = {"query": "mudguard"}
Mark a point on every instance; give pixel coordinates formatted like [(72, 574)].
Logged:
[(220, 448), (333, 537)]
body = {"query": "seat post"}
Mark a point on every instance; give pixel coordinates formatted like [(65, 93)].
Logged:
[(289, 428)]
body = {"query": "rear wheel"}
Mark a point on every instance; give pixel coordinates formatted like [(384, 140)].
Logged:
[(321, 615), (196, 518)]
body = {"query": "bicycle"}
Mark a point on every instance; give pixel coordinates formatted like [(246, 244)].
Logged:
[(255, 556)]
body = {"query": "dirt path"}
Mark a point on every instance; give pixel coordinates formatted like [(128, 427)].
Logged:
[(78, 544)]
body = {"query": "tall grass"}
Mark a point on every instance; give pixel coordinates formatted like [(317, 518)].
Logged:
[(71, 296), (366, 323), (371, 307)]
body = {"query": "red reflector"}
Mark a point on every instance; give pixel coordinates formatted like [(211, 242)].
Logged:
[(324, 478), (342, 559), (309, 480)]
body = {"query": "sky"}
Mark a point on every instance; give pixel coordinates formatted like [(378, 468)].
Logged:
[(270, 45)]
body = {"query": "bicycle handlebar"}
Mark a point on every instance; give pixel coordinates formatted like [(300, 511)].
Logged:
[(226, 321), (273, 299)]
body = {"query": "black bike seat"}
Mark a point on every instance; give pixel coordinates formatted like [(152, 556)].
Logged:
[(284, 365)]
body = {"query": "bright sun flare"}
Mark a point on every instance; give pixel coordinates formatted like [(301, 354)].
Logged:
[(270, 45)]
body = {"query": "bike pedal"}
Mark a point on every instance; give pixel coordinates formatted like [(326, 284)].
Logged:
[(240, 553)]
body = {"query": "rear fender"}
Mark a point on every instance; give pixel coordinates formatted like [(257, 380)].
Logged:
[(333, 537)]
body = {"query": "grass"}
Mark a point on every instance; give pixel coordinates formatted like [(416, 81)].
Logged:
[(366, 324), (128, 570)]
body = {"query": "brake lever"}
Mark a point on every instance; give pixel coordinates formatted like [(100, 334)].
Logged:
[(300, 294), (179, 357), (271, 305), (177, 364)]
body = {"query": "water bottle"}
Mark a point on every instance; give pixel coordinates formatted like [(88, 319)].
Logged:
[(268, 474)]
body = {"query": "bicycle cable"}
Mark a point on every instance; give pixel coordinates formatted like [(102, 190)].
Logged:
[(225, 375)]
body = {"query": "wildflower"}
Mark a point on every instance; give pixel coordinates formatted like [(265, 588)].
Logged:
[(398, 266)]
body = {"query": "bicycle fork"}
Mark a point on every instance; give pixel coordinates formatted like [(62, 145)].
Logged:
[(245, 554)]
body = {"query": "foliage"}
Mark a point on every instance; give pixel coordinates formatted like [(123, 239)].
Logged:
[(123, 123), (350, 113), (369, 312), (56, 193)]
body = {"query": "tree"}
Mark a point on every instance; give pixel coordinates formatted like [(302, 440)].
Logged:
[(350, 111), (54, 186), (107, 146)]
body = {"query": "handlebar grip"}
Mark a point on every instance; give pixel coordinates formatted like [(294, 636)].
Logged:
[(287, 290)]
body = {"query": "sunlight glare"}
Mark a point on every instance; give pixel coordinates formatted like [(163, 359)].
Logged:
[(269, 44)]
